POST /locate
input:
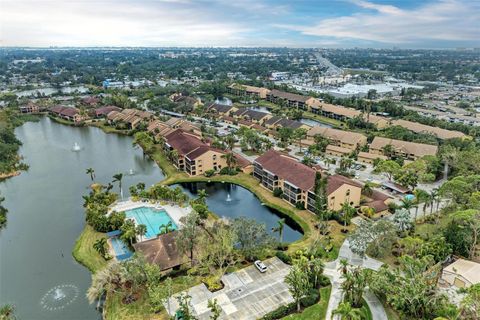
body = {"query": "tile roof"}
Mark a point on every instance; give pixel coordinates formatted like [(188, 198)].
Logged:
[(338, 149), (183, 142), (372, 156), (103, 111), (220, 108), (347, 137), (289, 96), (288, 123), (417, 149), (273, 120), (422, 128), (161, 251), (255, 115)]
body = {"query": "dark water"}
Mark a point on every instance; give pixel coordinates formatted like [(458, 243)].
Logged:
[(313, 123), (46, 215), (240, 203)]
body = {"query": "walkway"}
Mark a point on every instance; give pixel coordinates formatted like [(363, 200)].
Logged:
[(331, 271)]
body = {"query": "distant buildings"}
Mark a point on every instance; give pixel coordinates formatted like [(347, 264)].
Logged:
[(292, 100), (248, 91), (345, 139), (422, 128)]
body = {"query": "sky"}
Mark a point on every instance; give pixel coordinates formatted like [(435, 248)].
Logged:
[(241, 23)]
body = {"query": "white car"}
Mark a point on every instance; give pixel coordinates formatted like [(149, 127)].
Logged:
[(260, 266)]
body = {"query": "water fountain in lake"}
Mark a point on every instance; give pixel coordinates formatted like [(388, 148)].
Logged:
[(229, 198), (76, 147), (59, 297), (131, 172)]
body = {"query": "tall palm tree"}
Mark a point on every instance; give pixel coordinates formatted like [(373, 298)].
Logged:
[(91, 172), (202, 195), (141, 230), (166, 228), (279, 229), (230, 141), (449, 155), (118, 178), (347, 312), (347, 211), (230, 159), (407, 203)]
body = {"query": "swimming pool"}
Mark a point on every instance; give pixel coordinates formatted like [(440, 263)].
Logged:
[(152, 218), (121, 250)]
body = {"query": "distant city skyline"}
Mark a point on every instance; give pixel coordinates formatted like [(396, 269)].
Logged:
[(246, 23)]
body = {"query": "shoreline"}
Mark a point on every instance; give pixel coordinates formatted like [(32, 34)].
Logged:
[(5, 176)]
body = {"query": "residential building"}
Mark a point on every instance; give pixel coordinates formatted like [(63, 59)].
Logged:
[(293, 100), (405, 149), (132, 118), (367, 157), (276, 122), (337, 150), (68, 113), (221, 109), (342, 114), (249, 91), (341, 138), (422, 128), (30, 108), (254, 116), (194, 156), (461, 273), (296, 180), (104, 111)]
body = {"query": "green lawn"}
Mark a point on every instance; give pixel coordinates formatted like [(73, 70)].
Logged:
[(317, 311), (84, 253)]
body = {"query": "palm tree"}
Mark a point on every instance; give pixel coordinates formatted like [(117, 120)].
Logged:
[(279, 229), (407, 203), (230, 159), (100, 246), (348, 211), (6, 312), (202, 195), (118, 178), (230, 141), (343, 266), (141, 230), (166, 228), (367, 189), (449, 156), (91, 172), (347, 312)]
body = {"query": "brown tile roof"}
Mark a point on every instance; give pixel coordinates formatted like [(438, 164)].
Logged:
[(64, 111), (161, 251), (289, 96), (338, 149), (377, 205), (288, 123), (287, 168), (371, 156), (173, 121), (103, 111), (220, 108), (194, 154), (273, 120), (417, 149), (183, 142), (336, 181), (241, 161), (255, 115)]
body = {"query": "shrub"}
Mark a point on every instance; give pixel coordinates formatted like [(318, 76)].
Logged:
[(323, 281), (280, 312), (310, 299), (209, 173), (284, 257), (213, 283), (277, 192), (300, 205)]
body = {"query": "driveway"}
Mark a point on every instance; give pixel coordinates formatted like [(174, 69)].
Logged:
[(248, 294), (336, 296)]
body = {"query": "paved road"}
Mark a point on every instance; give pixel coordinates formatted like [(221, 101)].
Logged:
[(331, 271)]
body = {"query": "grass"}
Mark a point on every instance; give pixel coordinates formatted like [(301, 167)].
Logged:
[(251, 153), (317, 311), (84, 252), (115, 309), (107, 128)]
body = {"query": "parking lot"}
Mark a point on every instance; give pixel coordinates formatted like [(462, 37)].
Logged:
[(248, 294)]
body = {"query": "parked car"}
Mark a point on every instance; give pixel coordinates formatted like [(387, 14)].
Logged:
[(260, 266)]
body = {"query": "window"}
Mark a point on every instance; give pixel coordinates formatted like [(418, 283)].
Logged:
[(348, 192)]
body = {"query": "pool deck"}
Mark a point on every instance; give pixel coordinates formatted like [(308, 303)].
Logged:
[(174, 211)]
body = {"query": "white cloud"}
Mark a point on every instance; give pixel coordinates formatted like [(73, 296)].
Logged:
[(446, 20), (113, 23)]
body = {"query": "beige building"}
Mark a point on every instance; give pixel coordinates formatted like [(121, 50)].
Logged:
[(370, 158), (293, 100), (342, 114), (344, 139), (461, 274), (337, 151), (296, 180), (405, 149), (250, 91), (221, 109), (422, 128)]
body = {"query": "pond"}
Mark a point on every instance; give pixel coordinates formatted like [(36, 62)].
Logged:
[(50, 91), (315, 123), (232, 201), (37, 271)]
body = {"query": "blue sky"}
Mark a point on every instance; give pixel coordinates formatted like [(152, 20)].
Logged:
[(269, 23)]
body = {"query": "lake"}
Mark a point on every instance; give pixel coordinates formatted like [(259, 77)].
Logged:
[(37, 271), (232, 201)]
